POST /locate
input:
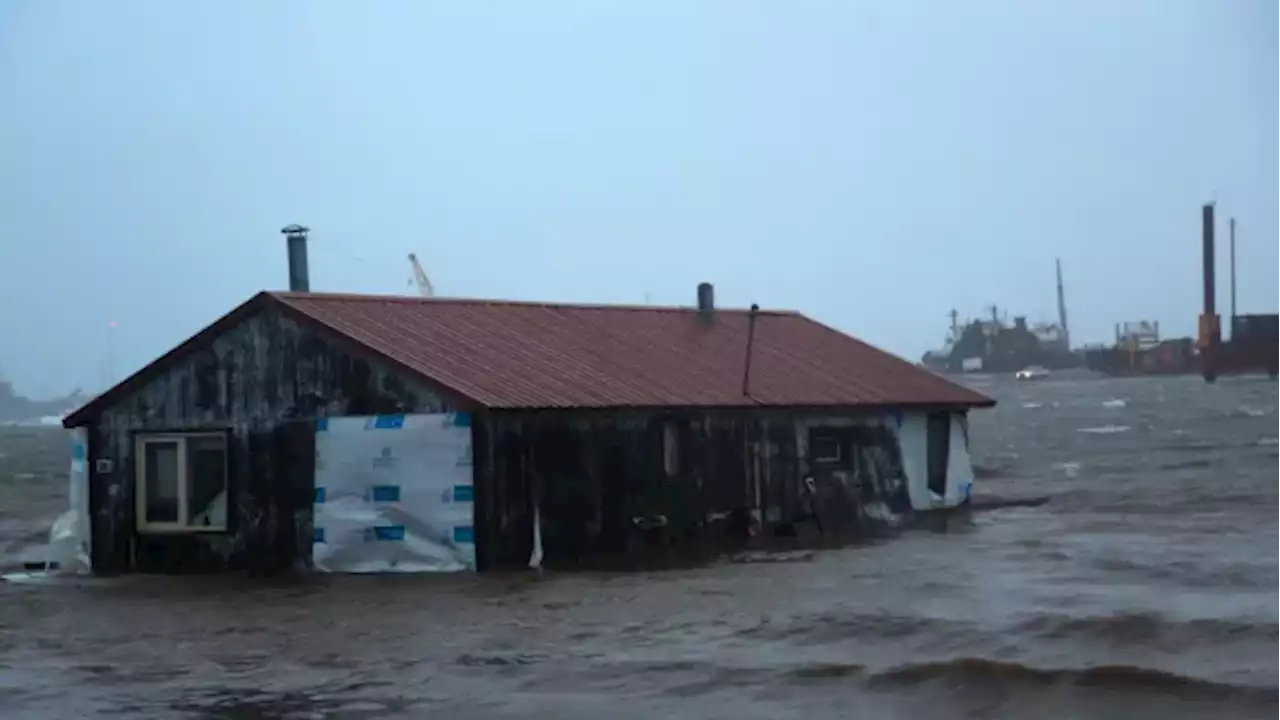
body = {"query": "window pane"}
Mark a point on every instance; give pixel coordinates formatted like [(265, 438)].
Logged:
[(206, 481), (160, 460)]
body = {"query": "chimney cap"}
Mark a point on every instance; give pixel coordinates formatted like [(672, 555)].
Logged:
[(295, 229)]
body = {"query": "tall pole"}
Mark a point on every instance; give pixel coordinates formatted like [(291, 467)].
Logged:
[(1233, 278), (1062, 308)]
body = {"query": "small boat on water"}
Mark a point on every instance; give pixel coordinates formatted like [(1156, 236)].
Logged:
[(1033, 372)]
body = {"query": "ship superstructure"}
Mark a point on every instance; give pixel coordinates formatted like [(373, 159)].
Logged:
[(993, 344)]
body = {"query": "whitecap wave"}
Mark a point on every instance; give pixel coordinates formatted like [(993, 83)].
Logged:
[(1070, 469), (1105, 429)]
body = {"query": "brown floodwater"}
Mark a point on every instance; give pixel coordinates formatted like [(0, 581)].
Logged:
[(1145, 588)]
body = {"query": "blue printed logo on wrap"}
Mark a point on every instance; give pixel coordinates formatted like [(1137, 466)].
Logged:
[(384, 422), (386, 459), (383, 493), (392, 533)]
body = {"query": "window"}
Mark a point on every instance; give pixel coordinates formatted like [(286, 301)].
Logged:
[(830, 447), (182, 483)]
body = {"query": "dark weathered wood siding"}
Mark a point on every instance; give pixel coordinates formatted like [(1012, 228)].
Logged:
[(603, 490), (264, 381), (604, 483)]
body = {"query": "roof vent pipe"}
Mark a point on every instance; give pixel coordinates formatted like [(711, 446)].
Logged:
[(296, 239), (706, 298), (751, 337)]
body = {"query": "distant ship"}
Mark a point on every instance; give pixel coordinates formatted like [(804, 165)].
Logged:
[(993, 345)]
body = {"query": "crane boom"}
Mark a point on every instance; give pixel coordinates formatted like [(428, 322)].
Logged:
[(425, 289)]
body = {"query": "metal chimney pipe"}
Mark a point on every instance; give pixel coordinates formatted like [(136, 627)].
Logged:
[(706, 298), (296, 240)]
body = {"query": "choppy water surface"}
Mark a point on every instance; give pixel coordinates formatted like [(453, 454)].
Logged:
[(1146, 588)]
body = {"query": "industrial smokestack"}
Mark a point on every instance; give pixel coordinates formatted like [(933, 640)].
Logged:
[(1210, 328), (706, 299), (1210, 272), (296, 240)]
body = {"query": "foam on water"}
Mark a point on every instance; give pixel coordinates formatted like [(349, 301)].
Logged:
[(1104, 429)]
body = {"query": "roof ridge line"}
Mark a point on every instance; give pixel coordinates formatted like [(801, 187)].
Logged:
[(410, 300)]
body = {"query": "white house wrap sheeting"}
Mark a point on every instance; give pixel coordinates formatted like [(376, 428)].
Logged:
[(394, 494), (69, 540), (68, 549), (913, 431)]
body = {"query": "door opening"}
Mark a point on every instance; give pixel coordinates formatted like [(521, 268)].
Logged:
[(939, 452)]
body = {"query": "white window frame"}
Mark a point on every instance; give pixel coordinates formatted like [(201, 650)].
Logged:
[(140, 483)]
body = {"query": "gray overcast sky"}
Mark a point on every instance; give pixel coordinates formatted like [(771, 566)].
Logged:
[(872, 164)]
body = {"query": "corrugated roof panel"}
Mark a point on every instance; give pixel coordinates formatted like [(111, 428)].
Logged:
[(531, 355)]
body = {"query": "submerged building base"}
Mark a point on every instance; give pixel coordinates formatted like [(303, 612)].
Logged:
[(446, 491)]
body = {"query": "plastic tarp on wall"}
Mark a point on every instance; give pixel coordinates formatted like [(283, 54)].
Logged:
[(394, 494), (913, 441), (69, 539), (913, 444), (959, 465)]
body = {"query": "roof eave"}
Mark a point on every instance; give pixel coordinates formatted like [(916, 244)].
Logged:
[(853, 408)]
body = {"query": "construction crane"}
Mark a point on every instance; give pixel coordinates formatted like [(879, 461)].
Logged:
[(425, 288)]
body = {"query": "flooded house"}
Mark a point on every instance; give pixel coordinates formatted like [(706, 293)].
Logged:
[(373, 433)]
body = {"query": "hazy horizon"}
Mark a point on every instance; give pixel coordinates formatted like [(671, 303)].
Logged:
[(871, 164)]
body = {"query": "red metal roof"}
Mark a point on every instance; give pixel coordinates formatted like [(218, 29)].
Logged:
[(508, 355), (504, 354)]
